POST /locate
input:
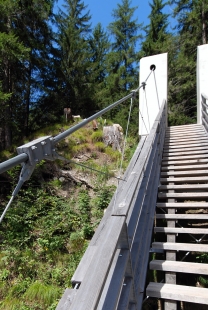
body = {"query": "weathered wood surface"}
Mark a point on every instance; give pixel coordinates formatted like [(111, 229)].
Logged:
[(185, 173), (176, 230), (177, 163), (183, 195), (189, 167), (185, 180), (178, 266), (186, 157), (180, 246), (176, 205), (191, 139), (184, 146), (178, 292), (182, 216), (187, 151), (66, 300), (184, 187), (97, 277)]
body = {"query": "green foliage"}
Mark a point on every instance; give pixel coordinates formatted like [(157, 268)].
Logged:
[(97, 136), (42, 293)]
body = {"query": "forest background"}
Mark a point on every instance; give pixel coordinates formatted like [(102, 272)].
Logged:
[(49, 61), (43, 71)]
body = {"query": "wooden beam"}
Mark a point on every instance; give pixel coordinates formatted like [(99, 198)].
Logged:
[(184, 267), (200, 205), (180, 246), (178, 292), (177, 230)]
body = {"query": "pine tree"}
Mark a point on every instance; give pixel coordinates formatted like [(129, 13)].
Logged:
[(157, 37), (192, 29), (122, 59), (74, 29), (13, 53), (99, 45)]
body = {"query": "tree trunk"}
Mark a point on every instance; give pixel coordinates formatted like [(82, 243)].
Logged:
[(204, 39)]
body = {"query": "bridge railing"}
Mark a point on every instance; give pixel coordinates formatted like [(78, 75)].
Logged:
[(112, 272), (204, 111)]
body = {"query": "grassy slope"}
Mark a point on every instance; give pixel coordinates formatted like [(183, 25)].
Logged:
[(48, 227)]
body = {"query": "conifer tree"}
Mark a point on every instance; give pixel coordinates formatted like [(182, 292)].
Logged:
[(157, 37), (99, 45), (74, 29), (122, 59), (192, 29)]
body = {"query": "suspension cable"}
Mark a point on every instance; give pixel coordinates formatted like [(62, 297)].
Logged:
[(123, 151), (156, 91)]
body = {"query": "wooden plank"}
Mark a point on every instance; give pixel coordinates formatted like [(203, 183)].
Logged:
[(184, 126), (189, 167), (182, 216), (171, 158), (183, 187), (185, 150), (66, 299), (185, 180), (179, 141), (184, 267), (179, 230), (180, 246), (168, 146), (184, 162), (184, 173), (184, 132), (200, 205), (192, 294), (183, 195), (91, 288), (184, 154)]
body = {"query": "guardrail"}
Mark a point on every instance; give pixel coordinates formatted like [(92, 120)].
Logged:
[(112, 272), (204, 111)]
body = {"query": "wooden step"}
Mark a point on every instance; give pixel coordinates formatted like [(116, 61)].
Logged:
[(183, 187), (189, 167), (186, 157), (182, 216), (185, 151), (201, 138), (191, 195), (184, 180), (191, 136), (174, 266), (185, 126), (184, 173), (191, 162), (180, 246), (184, 145), (179, 230), (183, 133), (200, 205), (192, 294), (184, 154)]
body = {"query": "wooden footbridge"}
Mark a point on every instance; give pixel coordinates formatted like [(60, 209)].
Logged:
[(147, 244)]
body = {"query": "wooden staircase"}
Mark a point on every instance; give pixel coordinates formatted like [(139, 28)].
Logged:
[(182, 218)]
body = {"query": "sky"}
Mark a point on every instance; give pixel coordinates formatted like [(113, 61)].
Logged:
[(101, 10)]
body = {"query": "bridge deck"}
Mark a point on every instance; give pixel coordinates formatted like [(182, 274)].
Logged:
[(182, 216)]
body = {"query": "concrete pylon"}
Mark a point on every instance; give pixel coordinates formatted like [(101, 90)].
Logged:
[(202, 77), (155, 90)]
